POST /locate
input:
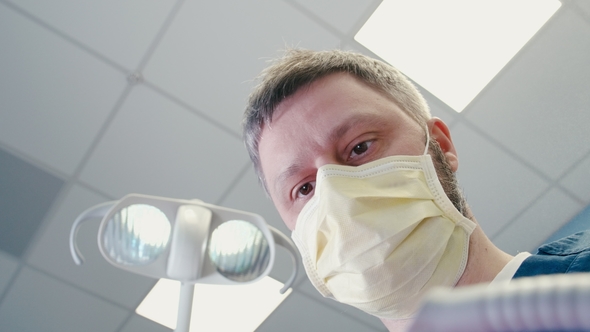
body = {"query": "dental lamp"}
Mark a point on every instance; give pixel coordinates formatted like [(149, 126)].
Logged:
[(185, 240)]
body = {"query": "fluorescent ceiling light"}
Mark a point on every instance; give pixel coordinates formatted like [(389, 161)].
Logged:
[(453, 48), (236, 308)]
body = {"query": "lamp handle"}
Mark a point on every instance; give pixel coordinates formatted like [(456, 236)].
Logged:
[(285, 242), (97, 211)]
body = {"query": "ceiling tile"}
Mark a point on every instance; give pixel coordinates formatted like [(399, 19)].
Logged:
[(538, 105), (53, 96), (141, 324), (496, 186), (210, 64), (579, 223), (538, 222), (308, 289), (156, 147), (584, 5), (342, 15), (51, 254), (8, 266), (299, 313), (578, 180), (37, 302), (26, 194), (119, 30)]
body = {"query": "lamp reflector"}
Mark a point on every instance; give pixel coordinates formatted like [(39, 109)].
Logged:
[(136, 234), (239, 250)]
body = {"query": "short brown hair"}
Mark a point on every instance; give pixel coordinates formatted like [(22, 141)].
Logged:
[(299, 67)]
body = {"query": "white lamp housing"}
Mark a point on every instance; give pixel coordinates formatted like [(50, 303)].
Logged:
[(170, 238)]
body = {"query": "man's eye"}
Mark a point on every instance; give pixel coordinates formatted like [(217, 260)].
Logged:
[(360, 148), (305, 189)]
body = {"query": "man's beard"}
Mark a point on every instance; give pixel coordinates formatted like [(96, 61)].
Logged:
[(447, 178)]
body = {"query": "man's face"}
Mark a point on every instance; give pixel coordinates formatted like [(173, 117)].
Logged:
[(336, 120)]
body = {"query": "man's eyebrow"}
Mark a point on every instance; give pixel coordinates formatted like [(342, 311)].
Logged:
[(353, 121), (285, 174)]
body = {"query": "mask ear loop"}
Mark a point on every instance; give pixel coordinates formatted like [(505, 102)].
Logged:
[(427, 141)]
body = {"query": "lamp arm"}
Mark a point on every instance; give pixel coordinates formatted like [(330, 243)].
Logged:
[(97, 211), (285, 242), (185, 307)]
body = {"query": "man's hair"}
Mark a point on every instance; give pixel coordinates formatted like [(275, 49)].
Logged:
[(298, 68)]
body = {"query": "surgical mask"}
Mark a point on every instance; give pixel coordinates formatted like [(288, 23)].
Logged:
[(381, 235)]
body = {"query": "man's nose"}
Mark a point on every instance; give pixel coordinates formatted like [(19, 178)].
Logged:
[(328, 160)]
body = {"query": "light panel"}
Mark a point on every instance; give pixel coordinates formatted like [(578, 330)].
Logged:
[(238, 308), (453, 48)]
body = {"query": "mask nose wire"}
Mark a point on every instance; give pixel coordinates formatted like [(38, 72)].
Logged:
[(427, 141)]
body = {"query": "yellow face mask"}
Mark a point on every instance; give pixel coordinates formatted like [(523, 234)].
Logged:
[(380, 235)]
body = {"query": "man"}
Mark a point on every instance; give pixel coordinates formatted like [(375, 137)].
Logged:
[(347, 150)]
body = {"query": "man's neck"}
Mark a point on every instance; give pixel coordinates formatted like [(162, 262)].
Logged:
[(397, 325), (485, 260)]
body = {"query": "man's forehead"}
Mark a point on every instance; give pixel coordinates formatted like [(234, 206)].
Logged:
[(294, 100)]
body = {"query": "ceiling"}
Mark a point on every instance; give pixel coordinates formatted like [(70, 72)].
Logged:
[(103, 98)]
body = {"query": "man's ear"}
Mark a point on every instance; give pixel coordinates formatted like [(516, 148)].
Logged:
[(440, 133)]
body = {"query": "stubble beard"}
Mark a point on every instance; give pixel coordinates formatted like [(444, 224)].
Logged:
[(447, 179)]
